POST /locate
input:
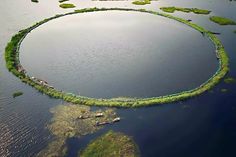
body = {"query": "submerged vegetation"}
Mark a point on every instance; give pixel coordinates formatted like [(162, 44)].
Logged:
[(224, 90), (73, 121), (186, 10), (16, 94), (230, 80), (112, 144), (141, 2), (222, 20), (14, 66), (67, 5)]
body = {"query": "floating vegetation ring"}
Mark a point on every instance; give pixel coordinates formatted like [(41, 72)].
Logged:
[(14, 66)]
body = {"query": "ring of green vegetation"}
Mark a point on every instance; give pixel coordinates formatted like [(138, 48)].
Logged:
[(14, 66)]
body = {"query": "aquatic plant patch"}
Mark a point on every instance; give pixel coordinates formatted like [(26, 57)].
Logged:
[(230, 80), (141, 2), (61, 1), (67, 5), (113, 144), (35, 1), (186, 10), (73, 121), (14, 66), (16, 94), (222, 20)]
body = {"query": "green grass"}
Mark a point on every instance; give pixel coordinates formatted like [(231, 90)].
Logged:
[(12, 62), (67, 5), (35, 1), (186, 10), (112, 144), (141, 2), (230, 80), (222, 20), (16, 94), (61, 1)]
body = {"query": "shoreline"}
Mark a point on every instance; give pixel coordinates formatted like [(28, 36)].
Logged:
[(14, 66)]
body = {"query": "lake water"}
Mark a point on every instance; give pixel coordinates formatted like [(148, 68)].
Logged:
[(203, 126), (117, 53)]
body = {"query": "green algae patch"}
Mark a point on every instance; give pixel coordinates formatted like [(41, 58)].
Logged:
[(14, 66), (16, 94), (229, 80), (67, 5), (73, 121), (113, 144), (141, 2), (186, 10), (222, 20)]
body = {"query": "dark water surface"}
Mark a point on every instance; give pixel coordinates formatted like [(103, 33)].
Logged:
[(201, 127)]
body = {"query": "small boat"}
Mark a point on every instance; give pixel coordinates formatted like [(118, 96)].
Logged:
[(100, 114), (117, 119), (102, 123)]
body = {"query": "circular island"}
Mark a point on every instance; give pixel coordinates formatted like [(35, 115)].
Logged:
[(13, 65)]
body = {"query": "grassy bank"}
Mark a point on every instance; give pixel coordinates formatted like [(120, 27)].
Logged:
[(186, 10), (113, 144), (222, 20), (14, 66)]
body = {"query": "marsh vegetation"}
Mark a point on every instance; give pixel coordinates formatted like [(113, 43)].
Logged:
[(16, 94), (113, 144), (222, 20), (141, 2), (186, 10), (230, 80), (61, 1), (73, 121), (67, 5), (35, 1)]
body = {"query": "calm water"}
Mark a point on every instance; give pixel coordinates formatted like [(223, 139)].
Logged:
[(117, 53), (203, 126)]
